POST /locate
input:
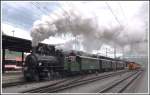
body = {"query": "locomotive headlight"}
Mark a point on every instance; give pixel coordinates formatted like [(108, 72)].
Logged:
[(40, 63)]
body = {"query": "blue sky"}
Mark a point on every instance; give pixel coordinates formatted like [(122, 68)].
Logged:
[(23, 14)]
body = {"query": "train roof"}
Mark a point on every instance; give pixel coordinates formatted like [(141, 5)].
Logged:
[(95, 58), (91, 56), (87, 57)]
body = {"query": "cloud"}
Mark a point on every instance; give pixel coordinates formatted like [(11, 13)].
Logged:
[(23, 14), (104, 30)]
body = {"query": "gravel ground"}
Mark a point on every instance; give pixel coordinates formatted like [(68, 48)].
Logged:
[(92, 87), (139, 86), (142, 85), (12, 77), (20, 88)]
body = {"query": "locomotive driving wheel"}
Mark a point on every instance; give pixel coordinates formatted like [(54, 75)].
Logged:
[(35, 75)]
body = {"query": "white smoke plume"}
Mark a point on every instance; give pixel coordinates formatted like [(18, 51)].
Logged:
[(70, 19), (61, 22)]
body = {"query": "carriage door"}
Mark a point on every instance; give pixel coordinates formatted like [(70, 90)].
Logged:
[(100, 65)]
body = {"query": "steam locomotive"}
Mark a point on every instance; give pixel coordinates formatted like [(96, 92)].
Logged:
[(47, 62)]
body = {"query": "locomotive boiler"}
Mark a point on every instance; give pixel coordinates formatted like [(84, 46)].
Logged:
[(43, 62)]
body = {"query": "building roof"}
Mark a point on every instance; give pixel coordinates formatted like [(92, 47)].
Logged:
[(16, 44)]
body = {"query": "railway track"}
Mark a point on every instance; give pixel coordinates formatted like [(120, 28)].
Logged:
[(120, 86), (70, 83), (13, 84), (67, 80), (5, 85)]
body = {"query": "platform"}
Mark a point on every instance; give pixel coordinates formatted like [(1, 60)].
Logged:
[(13, 76)]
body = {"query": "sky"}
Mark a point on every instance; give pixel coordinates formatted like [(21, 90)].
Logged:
[(21, 16)]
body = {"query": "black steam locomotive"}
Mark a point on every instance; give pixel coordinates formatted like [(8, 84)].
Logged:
[(46, 62)]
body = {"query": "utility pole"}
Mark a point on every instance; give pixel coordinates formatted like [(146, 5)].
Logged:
[(106, 52), (13, 33), (122, 52), (75, 42), (114, 51)]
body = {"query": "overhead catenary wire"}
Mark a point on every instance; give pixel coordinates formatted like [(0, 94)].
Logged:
[(113, 13), (36, 4), (122, 10), (116, 20)]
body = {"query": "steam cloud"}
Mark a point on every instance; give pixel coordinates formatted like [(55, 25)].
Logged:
[(92, 36)]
